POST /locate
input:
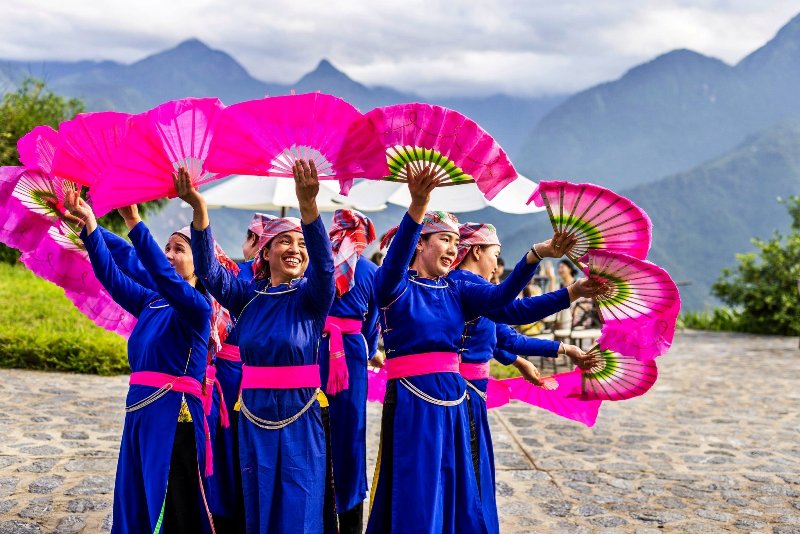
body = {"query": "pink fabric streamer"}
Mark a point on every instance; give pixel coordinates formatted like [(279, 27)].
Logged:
[(376, 384)]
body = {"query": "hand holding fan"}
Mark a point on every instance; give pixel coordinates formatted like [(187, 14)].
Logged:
[(616, 377), (86, 145), (265, 137), (598, 217), (426, 136), (639, 306), (159, 142)]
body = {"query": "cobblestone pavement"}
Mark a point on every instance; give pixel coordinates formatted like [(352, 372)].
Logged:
[(713, 447)]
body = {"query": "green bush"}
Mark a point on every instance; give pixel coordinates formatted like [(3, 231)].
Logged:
[(718, 319), (41, 329)]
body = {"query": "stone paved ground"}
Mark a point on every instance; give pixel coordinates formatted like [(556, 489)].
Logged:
[(713, 447)]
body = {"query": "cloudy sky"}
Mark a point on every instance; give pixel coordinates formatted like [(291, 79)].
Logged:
[(432, 47)]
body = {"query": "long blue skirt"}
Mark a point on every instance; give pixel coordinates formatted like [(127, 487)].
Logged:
[(145, 452), (425, 476), (482, 447), (283, 471), (348, 423)]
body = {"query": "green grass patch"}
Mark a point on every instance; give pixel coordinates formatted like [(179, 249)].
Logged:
[(41, 329), (717, 320), (498, 370)]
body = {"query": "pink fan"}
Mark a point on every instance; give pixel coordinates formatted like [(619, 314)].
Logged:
[(86, 144), (616, 377), (639, 307), (497, 393), (427, 136), (60, 257), (265, 137), (600, 218), (173, 135), (37, 148), (551, 396), (376, 384)]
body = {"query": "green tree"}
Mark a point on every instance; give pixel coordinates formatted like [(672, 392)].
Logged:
[(33, 104), (763, 288)]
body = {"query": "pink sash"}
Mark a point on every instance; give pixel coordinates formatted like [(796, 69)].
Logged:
[(424, 363), (474, 371), (229, 352), (287, 377), (209, 384), (180, 384), (338, 375)]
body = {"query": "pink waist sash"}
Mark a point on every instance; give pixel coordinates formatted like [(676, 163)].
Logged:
[(425, 363), (180, 384), (338, 374), (288, 377), (474, 371), (229, 352)]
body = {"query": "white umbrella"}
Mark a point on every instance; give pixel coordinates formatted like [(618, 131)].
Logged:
[(257, 193), (456, 198)]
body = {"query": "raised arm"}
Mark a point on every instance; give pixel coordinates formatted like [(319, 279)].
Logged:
[(531, 309), (125, 292), (477, 297), (512, 341), (125, 257)]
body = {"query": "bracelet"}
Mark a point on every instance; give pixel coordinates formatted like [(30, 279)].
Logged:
[(533, 249), (561, 346)]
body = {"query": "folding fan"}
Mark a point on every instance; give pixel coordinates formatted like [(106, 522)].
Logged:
[(639, 306), (600, 218), (376, 383), (432, 137), (552, 397), (265, 137), (86, 145), (61, 258), (37, 148), (173, 135), (616, 377)]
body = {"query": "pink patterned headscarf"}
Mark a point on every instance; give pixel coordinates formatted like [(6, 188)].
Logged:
[(350, 234), (272, 228), (258, 222), (433, 223), (471, 234)]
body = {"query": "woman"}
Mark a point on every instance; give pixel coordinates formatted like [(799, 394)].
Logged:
[(479, 248), (164, 438), (425, 480), (280, 318), (351, 340)]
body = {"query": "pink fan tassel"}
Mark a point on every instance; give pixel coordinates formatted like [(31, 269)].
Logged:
[(338, 375)]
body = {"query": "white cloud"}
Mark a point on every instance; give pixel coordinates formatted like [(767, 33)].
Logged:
[(431, 47)]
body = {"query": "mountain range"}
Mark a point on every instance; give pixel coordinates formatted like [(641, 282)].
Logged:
[(705, 147)]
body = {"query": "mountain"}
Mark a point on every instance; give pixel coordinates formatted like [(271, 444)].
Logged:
[(667, 115), (703, 217)]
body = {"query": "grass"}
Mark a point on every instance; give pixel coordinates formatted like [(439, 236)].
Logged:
[(41, 329)]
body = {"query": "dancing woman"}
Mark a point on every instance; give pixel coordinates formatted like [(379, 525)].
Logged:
[(425, 480), (164, 437), (281, 315), (478, 250), (351, 340)]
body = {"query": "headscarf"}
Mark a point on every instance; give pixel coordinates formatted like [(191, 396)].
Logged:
[(221, 322), (273, 227), (258, 222), (432, 223), (350, 234), (471, 234)]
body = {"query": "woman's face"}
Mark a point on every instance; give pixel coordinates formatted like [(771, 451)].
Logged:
[(179, 255), (486, 265), (564, 272), (287, 257), (250, 246), (436, 254)]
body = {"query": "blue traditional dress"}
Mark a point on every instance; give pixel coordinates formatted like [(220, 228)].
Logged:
[(170, 337), (425, 480), (482, 336), (348, 408), (283, 467)]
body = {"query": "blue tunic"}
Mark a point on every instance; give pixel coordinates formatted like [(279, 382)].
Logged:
[(348, 408), (170, 336), (283, 471), (483, 339), (425, 478)]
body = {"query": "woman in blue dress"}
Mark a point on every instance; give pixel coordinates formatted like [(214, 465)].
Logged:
[(483, 339), (164, 439), (280, 318), (425, 479)]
